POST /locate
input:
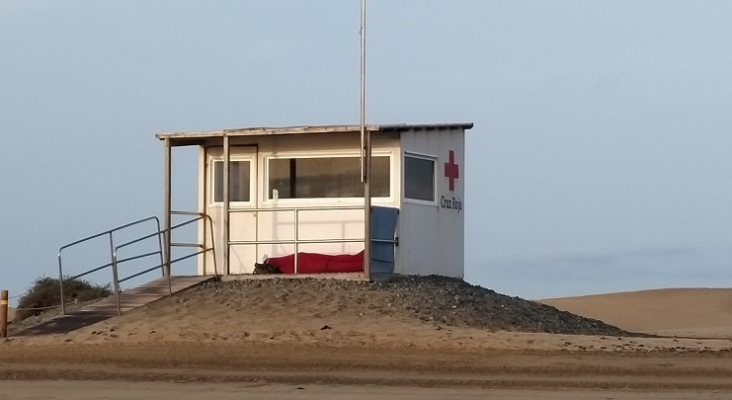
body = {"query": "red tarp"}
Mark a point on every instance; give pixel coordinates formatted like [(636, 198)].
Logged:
[(313, 263)]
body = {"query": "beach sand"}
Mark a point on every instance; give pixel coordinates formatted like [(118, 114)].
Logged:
[(202, 337)]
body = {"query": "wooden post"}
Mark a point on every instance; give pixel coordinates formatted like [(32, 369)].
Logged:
[(168, 213), (4, 314), (168, 183)]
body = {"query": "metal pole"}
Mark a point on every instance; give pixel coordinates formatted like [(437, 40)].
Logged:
[(204, 238), (61, 283), (225, 217), (160, 244), (115, 273), (297, 238), (213, 245), (4, 314), (365, 153)]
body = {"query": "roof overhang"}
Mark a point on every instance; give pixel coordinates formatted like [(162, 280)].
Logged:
[(193, 138)]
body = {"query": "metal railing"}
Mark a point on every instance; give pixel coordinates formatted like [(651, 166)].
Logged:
[(296, 241), (199, 216), (203, 249), (162, 253), (109, 233)]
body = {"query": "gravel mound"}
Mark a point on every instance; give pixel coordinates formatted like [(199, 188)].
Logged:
[(431, 299)]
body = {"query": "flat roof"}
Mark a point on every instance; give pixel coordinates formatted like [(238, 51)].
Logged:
[(297, 130)]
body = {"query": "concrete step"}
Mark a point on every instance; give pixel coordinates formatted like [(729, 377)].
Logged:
[(107, 308)]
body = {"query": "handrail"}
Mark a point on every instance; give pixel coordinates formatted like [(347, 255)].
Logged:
[(313, 208), (135, 275), (292, 241), (108, 232), (163, 263), (190, 213), (116, 261), (210, 232), (91, 271)]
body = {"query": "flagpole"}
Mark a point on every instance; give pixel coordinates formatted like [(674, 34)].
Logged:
[(365, 153)]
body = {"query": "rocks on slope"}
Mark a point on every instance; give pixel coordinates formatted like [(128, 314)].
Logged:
[(438, 300)]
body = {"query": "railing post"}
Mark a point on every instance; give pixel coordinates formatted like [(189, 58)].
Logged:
[(213, 244), (115, 273), (297, 237), (4, 314), (61, 283), (202, 235), (160, 243)]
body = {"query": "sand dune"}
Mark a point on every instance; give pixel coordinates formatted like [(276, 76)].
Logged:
[(698, 313)]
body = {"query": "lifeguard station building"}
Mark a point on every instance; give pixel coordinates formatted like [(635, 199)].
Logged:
[(298, 190)]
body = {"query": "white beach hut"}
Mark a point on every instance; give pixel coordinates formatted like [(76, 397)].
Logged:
[(298, 190)]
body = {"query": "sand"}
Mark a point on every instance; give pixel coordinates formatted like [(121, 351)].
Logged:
[(694, 313), (204, 339), (205, 391), (325, 318)]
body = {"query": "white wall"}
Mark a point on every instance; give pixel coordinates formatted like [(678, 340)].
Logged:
[(344, 224), (431, 236)]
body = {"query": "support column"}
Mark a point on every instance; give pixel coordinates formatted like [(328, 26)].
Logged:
[(225, 217), (167, 208), (365, 154), (367, 208)]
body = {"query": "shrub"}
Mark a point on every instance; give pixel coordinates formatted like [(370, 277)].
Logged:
[(45, 293)]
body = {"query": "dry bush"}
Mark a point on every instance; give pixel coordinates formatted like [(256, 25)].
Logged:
[(45, 293)]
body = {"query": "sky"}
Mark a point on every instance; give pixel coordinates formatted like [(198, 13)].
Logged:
[(599, 160)]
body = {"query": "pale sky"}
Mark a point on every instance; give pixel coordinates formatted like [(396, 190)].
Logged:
[(599, 161)]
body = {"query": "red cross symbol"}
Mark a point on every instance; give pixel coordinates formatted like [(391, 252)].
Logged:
[(452, 170)]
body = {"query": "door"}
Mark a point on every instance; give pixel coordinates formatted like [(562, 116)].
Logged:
[(383, 242), (243, 200)]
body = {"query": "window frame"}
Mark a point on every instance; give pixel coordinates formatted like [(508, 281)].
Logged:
[(435, 160), (323, 200), (252, 181)]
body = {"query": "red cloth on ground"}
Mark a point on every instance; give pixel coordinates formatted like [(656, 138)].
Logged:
[(313, 263)]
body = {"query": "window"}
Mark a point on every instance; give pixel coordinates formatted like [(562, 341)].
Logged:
[(325, 177), (419, 178), (239, 176)]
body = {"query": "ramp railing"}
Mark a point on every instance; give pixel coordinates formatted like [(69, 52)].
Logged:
[(160, 252), (202, 249), (110, 234)]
